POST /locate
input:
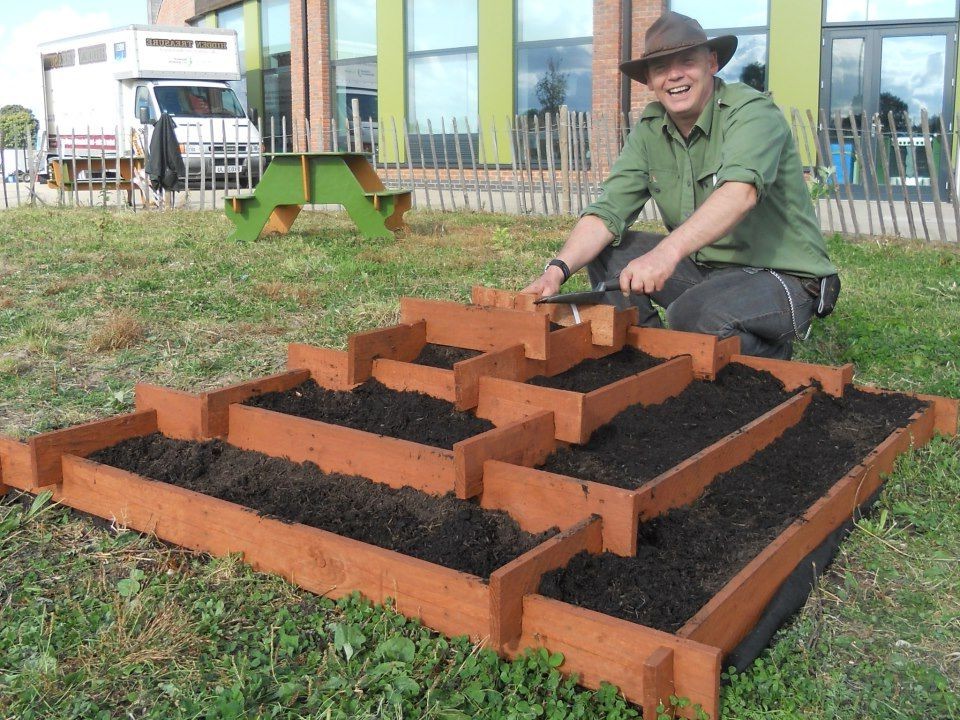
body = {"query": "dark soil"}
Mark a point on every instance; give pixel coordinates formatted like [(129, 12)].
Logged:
[(443, 356), (454, 533), (376, 408), (686, 556), (595, 373), (642, 442)]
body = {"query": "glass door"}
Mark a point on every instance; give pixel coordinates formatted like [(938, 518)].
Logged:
[(888, 70)]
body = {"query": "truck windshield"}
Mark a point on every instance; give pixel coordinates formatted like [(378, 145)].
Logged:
[(197, 101)]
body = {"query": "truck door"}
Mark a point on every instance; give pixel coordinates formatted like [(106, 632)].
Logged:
[(142, 100)]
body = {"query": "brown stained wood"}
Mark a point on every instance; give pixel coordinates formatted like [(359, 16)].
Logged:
[(281, 219), (405, 376), (16, 464), (706, 351), (400, 342), (509, 299), (565, 348), (521, 577), (47, 449), (649, 387), (217, 402), (945, 409), (327, 367), (179, 414), (795, 374), (685, 482), (731, 613), (334, 448), (452, 602), (508, 363), (607, 324), (540, 500), (527, 442), (658, 683), (505, 401), (600, 648), (477, 327)]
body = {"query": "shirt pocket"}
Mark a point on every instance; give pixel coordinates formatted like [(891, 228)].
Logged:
[(707, 180), (665, 190)]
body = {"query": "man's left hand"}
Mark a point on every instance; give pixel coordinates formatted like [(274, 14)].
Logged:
[(649, 272)]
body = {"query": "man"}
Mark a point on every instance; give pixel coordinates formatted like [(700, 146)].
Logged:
[(744, 252)]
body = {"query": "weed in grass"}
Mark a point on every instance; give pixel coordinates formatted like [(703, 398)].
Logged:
[(120, 329)]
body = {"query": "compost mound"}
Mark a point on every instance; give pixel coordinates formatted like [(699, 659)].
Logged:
[(373, 407), (454, 533), (443, 356), (687, 555), (594, 373), (644, 441)]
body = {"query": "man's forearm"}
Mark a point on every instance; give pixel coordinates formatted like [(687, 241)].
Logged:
[(587, 239), (718, 216)]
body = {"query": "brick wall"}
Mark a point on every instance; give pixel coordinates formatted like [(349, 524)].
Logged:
[(318, 61), (645, 12), (176, 12), (607, 44)]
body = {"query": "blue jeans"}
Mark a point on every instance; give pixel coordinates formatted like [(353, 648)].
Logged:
[(751, 303)]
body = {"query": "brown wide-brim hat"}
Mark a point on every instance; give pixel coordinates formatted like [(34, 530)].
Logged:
[(673, 33)]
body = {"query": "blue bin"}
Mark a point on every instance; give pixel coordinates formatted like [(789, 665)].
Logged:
[(844, 172)]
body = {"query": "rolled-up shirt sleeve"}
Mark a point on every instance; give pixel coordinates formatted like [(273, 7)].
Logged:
[(753, 138), (626, 189)]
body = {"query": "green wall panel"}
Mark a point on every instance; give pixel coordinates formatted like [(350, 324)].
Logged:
[(391, 75), (253, 55), (209, 20), (794, 73), (495, 63)]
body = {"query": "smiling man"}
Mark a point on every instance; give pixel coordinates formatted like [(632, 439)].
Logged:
[(744, 254)]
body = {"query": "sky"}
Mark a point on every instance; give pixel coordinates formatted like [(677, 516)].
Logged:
[(26, 23)]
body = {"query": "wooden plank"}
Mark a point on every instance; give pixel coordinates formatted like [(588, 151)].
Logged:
[(565, 348), (406, 376), (509, 299), (650, 387), (732, 613), (327, 367), (400, 342), (477, 327), (945, 409), (685, 482), (658, 683), (505, 401), (452, 602), (16, 463), (540, 500), (179, 413), (334, 448), (513, 581), (709, 353), (47, 449), (527, 442), (217, 402), (608, 325), (600, 648), (508, 363), (795, 374)]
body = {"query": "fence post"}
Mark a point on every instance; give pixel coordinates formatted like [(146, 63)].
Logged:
[(436, 168), (459, 156), (934, 175), (357, 129), (496, 152), (564, 120), (951, 179), (916, 178), (548, 124), (864, 170)]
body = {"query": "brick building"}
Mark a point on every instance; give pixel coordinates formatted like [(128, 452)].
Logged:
[(433, 60)]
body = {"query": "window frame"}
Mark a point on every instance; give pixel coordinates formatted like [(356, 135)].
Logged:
[(879, 23)]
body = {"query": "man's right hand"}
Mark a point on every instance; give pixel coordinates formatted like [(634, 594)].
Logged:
[(547, 284)]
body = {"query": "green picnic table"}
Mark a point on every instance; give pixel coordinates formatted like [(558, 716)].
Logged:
[(293, 180)]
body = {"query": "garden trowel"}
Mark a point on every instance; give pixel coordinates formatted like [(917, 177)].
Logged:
[(588, 297)]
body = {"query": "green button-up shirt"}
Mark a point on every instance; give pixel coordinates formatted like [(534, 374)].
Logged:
[(740, 136)]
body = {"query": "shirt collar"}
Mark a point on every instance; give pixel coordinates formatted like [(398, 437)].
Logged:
[(656, 111)]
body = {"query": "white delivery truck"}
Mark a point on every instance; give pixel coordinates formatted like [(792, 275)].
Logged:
[(100, 89)]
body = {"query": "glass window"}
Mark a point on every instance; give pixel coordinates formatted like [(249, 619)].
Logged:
[(878, 10), (353, 27), (443, 86), (232, 19), (198, 101), (552, 20), (713, 14), (277, 96), (439, 24), (749, 64), (548, 77)]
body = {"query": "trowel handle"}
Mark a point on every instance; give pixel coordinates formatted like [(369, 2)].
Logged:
[(607, 285)]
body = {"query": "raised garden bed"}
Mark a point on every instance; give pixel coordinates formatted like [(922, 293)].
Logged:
[(593, 374), (443, 356)]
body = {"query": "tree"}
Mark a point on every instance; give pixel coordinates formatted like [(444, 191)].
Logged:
[(891, 103), (17, 126), (552, 87), (754, 75)]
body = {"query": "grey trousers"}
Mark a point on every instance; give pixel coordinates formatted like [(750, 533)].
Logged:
[(751, 303)]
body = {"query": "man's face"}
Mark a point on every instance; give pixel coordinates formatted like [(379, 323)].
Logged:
[(683, 82)]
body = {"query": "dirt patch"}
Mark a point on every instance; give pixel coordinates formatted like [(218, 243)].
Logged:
[(642, 442), (375, 408), (443, 356), (592, 374), (454, 533), (686, 556)]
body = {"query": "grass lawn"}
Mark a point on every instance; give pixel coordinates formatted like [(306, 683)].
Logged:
[(99, 622)]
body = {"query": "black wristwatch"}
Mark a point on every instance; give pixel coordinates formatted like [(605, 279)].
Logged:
[(557, 262)]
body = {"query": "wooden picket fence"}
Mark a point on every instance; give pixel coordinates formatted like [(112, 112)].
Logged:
[(867, 175)]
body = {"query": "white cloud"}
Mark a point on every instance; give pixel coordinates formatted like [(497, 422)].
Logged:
[(20, 73)]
